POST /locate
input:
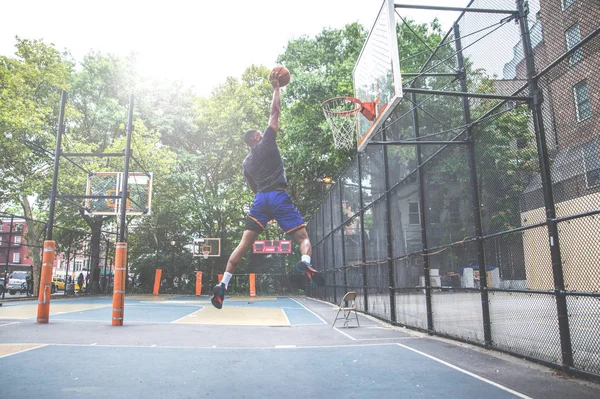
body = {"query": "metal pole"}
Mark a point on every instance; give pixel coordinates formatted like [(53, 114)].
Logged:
[(10, 230), (422, 219), (68, 263), (118, 313), (124, 193), (555, 255), (343, 237), (332, 245), (363, 249), (388, 232), (105, 264), (476, 210), (57, 153)]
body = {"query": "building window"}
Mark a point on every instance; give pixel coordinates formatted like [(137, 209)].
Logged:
[(413, 213), (16, 257), (582, 101), (591, 161), (573, 38), (567, 3), (78, 265), (17, 239)]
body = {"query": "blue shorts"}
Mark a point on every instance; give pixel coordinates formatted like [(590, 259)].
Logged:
[(274, 205)]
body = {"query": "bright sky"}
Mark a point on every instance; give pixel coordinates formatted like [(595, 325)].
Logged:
[(199, 42)]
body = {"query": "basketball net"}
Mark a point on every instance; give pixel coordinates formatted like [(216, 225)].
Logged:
[(342, 115), (205, 254)]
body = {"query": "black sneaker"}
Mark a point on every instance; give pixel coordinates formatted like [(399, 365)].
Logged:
[(218, 295), (311, 273)]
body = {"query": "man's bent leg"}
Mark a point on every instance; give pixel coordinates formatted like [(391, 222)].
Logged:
[(301, 238), (245, 244), (304, 266)]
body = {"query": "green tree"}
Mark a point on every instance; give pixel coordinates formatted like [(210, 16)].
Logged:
[(30, 86)]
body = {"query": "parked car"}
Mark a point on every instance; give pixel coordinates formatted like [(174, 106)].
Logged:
[(17, 282), (59, 283)]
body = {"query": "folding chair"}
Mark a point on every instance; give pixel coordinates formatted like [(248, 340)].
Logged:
[(351, 298)]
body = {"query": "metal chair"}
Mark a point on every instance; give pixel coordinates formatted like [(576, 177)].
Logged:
[(350, 297)]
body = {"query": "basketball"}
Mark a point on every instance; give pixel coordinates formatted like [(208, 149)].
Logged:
[(284, 75)]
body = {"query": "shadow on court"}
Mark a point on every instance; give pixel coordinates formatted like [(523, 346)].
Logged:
[(180, 347)]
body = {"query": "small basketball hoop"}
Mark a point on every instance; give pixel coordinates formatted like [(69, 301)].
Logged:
[(341, 113)]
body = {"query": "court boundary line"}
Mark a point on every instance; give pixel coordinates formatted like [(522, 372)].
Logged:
[(24, 350), (155, 346), (11, 323), (188, 315), (478, 377), (319, 317)]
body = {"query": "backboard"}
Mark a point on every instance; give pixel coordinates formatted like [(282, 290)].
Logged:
[(377, 73), (139, 187), (209, 247)]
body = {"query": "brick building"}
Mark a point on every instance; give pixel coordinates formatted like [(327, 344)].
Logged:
[(571, 119), (14, 252)]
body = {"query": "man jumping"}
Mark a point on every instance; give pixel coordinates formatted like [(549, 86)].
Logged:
[(265, 174)]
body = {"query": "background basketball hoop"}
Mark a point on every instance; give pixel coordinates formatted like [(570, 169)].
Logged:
[(205, 254), (341, 114)]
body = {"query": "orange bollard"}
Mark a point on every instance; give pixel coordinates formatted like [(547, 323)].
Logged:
[(252, 278), (43, 311), (157, 278), (119, 284), (198, 283), (220, 277)]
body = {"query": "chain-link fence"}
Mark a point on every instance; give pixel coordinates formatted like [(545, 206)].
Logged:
[(475, 216)]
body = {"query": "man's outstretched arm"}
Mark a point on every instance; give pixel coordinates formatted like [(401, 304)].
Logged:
[(276, 103)]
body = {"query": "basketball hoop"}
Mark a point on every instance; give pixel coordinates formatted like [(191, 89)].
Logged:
[(341, 113), (205, 254)]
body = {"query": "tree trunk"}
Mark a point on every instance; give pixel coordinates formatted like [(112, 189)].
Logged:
[(95, 223)]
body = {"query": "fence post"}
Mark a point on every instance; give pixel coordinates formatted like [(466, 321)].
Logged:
[(363, 250), (10, 230), (422, 220), (546, 178), (388, 231), (332, 246), (343, 237), (476, 209)]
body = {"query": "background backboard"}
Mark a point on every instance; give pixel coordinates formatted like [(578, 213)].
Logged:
[(377, 73), (211, 245), (139, 187), (272, 247)]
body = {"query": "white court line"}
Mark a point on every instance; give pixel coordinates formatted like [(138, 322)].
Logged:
[(256, 348), (188, 315), (518, 394), (343, 333), (319, 317), (370, 339), (10, 324), (24, 350)]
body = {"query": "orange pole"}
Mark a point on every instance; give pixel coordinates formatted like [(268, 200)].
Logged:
[(119, 284), (198, 283), (43, 310), (252, 284), (220, 277), (157, 277)]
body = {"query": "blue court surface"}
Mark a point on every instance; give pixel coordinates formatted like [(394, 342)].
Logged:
[(181, 347)]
